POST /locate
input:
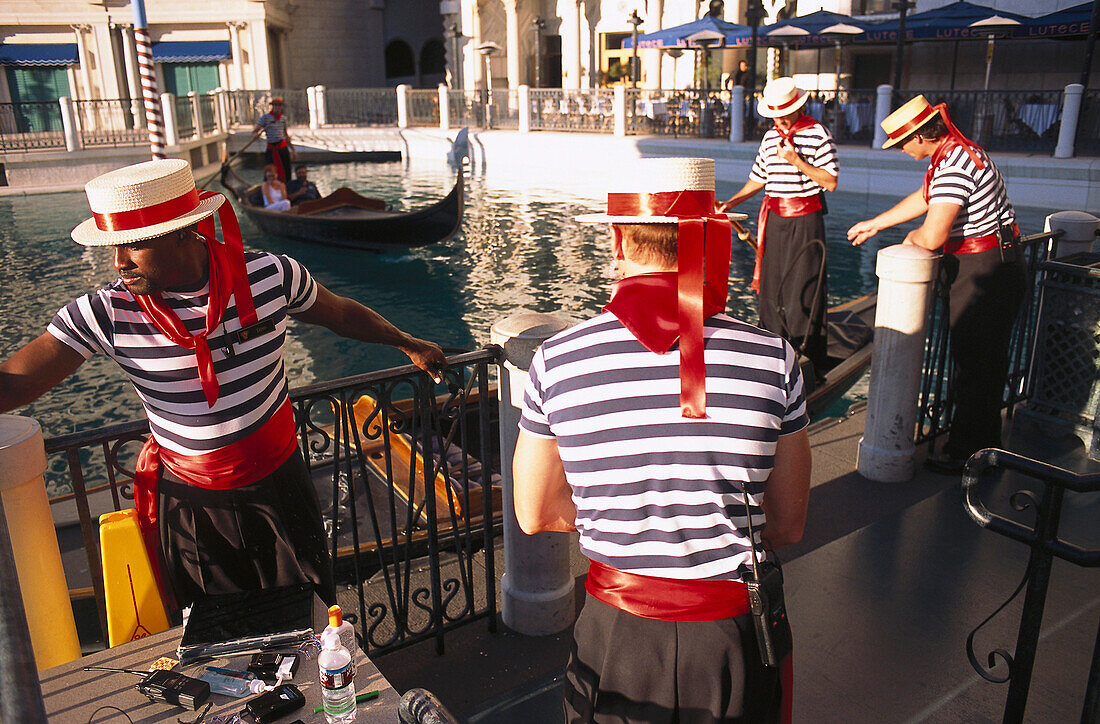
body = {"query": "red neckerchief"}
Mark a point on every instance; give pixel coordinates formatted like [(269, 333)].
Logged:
[(648, 305), (801, 123), (954, 139), (227, 277)]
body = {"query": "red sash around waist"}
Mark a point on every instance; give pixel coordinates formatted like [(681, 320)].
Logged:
[(277, 160), (975, 244), (787, 208), (233, 466), (666, 599)]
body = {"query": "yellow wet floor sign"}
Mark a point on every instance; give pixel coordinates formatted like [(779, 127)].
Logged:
[(134, 605)]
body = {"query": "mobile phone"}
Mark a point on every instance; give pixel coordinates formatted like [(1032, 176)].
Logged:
[(275, 704)]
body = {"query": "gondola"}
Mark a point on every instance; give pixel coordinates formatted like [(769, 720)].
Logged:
[(850, 329), (346, 219)]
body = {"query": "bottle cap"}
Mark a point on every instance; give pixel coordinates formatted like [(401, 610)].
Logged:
[(335, 616)]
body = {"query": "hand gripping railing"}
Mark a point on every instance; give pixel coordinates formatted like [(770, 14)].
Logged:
[(1045, 546)]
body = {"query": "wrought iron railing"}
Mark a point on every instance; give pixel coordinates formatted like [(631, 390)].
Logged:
[(1042, 537), (185, 117), (109, 123), (246, 106), (555, 109), (1003, 120), (361, 106), (503, 110), (423, 107), (207, 113), (936, 406), (410, 494), (1087, 142), (31, 125), (689, 112)]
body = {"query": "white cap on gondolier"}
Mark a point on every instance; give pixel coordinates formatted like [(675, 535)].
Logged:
[(143, 201), (781, 97)]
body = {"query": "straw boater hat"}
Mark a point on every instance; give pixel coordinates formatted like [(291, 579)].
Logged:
[(906, 119), (781, 97), (680, 186), (141, 202)]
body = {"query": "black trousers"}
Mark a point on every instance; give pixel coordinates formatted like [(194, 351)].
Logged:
[(625, 669), (284, 157), (984, 300), (257, 536), (792, 302)]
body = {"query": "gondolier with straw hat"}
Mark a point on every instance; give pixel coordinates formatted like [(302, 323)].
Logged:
[(224, 500), (968, 217), (663, 430), (795, 166)]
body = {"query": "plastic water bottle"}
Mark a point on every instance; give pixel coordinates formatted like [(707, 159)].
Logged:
[(346, 632), (337, 687)]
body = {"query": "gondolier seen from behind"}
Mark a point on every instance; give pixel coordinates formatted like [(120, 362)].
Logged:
[(968, 217), (672, 437), (280, 151), (795, 166), (224, 499)]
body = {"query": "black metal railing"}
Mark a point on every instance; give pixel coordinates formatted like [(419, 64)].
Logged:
[(30, 126), (1003, 120), (361, 107), (409, 479), (936, 406), (1042, 537), (690, 112), (111, 123), (423, 107), (557, 109), (1087, 142)]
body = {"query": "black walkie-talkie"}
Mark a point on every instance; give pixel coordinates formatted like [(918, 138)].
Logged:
[(167, 687)]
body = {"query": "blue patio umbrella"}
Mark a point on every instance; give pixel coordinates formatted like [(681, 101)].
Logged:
[(954, 21), (806, 30), (1063, 23), (708, 30)]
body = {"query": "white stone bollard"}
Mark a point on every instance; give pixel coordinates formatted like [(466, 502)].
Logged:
[(168, 110), (906, 274), (311, 101), (34, 542), (737, 114), (536, 590), (1079, 227), (73, 141), (403, 106), (523, 94), (444, 107), (1071, 111), (322, 109), (618, 108), (882, 109)]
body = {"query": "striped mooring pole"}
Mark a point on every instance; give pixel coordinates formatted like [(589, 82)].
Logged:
[(149, 94)]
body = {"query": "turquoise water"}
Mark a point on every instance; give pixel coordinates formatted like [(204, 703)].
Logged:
[(518, 248)]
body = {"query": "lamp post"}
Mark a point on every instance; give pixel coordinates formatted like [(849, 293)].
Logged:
[(487, 50), (899, 52), (754, 14), (634, 21), (837, 33), (537, 25), (994, 26)]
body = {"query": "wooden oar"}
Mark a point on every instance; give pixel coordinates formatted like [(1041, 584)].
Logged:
[(743, 234), (226, 163)]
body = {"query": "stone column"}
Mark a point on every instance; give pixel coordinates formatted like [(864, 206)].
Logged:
[(882, 109), (168, 110), (237, 76), (322, 109), (73, 141), (618, 110), (512, 42), (737, 114), (403, 106), (133, 76), (444, 107), (311, 101), (85, 64), (906, 274), (524, 100), (34, 542), (1071, 111), (574, 56), (654, 57), (1078, 228), (537, 587)]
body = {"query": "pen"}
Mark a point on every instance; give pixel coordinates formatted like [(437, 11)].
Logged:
[(366, 696)]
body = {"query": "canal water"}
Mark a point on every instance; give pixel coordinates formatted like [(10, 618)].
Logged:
[(518, 248)]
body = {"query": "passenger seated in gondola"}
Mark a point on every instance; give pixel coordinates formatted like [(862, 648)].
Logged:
[(274, 191), (300, 188)]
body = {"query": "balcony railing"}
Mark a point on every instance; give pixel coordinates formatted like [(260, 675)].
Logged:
[(409, 491), (556, 109), (361, 106), (1003, 120), (31, 126), (424, 108), (110, 122)]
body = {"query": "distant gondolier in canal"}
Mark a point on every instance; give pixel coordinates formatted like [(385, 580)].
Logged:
[(795, 166), (223, 496), (968, 217), (673, 438), (280, 151)]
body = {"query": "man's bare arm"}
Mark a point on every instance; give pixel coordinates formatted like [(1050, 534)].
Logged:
[(787, 494), (542, 498), (750, 189), (348, 318), (34, 370)]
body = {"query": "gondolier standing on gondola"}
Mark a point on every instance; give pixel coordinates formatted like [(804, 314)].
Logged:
[(224, 499), (795, 166), (968, 217), (280, 151)]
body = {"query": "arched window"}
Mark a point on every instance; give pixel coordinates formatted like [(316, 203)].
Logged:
[(400, 62), (433, 57)]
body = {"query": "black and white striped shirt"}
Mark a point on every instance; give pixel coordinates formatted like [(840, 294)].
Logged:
[(275, 127), (657, 493), (979, 192), (815, 145), (252, 381)]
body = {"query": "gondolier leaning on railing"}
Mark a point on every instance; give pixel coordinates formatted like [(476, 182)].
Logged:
[(656, 429), (224, 499), (280, 151), (968, 217)]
